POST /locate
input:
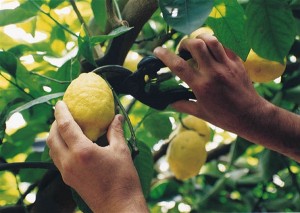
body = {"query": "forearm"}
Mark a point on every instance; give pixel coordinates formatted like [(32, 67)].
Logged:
[(274, 128)]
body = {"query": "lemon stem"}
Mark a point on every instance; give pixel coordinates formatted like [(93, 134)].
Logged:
[(132, 141)]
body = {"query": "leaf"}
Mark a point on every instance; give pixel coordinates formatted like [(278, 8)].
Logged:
[(159, 125), (86, 49), (115, 33), (271, 28), (164, 188), (4, 116), (185, 16), (9, 63), (143, 163), (36, 101), (228, 23), (34, 174), (19, 14), (270, 163), (99, 11)]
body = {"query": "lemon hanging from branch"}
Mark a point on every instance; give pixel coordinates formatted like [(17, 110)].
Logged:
[(186, 154), (91, 103)]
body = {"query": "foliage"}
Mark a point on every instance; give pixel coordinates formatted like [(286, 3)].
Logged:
[(45, 44)]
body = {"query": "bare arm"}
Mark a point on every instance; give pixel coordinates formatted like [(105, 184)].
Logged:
[(226, 97), (104, 177)]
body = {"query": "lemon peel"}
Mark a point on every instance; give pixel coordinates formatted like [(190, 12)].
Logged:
[(91, 103), (262, 70), (186, 154), (191, 122)]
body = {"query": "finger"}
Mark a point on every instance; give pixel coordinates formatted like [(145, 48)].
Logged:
[(177, 65), (67, 127), (215, 47), (57, 146), (230, 54), (198, 50), (189, 107), (115, 134)]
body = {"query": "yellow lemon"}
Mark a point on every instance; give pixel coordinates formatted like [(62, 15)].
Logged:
[(191, 122), (131, 61), (186, 154), (201, 30), (262, 70), (91, 103)]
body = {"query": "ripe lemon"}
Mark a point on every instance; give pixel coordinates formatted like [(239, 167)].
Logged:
[(91, 103), (131, 61), (186, 154), (262, 70), (191, 122)]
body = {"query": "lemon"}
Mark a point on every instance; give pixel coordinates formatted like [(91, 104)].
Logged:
[(201, 30), (262, 70), (186, 154), (191, 122), (91, 103), (131, 61)]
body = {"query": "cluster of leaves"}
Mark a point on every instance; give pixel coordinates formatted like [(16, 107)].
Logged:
[(33, 75)]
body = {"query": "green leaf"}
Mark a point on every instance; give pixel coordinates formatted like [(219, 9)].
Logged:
[(36, 101), (54, 3), (159, 125), (115, 33), (9, 63), (270, 163), (20, 50), (164, 188), (99, 11), (271, 28), (19, 14), (143, 163), (228, 23), (32, 175), (86, 49), (185, 16)]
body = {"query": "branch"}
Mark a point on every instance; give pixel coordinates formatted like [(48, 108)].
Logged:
[(136, 13)]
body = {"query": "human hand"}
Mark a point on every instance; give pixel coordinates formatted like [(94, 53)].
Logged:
[(104, 177), (223, 90)]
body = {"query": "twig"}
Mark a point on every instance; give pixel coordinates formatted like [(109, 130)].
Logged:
[(80, 18), (50, 79), (26, 165), (53, 19)]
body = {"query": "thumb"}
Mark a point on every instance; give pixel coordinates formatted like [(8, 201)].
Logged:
[(115, 134)]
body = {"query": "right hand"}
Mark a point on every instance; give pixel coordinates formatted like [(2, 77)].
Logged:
[(223, 90)]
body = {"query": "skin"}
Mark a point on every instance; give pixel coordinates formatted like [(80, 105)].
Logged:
[(104, 177), (225, 97)]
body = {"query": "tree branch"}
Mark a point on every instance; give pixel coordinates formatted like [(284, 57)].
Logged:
[(136, 13)]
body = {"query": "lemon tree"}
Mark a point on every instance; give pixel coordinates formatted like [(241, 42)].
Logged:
[(48, 49)]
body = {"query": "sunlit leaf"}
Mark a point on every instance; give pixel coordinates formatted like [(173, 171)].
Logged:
[(185, 16), (21, 13), (115, 33), (228, 23)]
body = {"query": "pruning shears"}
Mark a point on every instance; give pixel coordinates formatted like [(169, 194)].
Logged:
[(146, 83)]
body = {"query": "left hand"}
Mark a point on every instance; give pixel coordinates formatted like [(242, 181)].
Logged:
[(104, 177)]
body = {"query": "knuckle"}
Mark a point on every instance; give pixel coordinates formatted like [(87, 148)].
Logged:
[(180, 66), (64, 125), (213, 42), (83, 155)]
